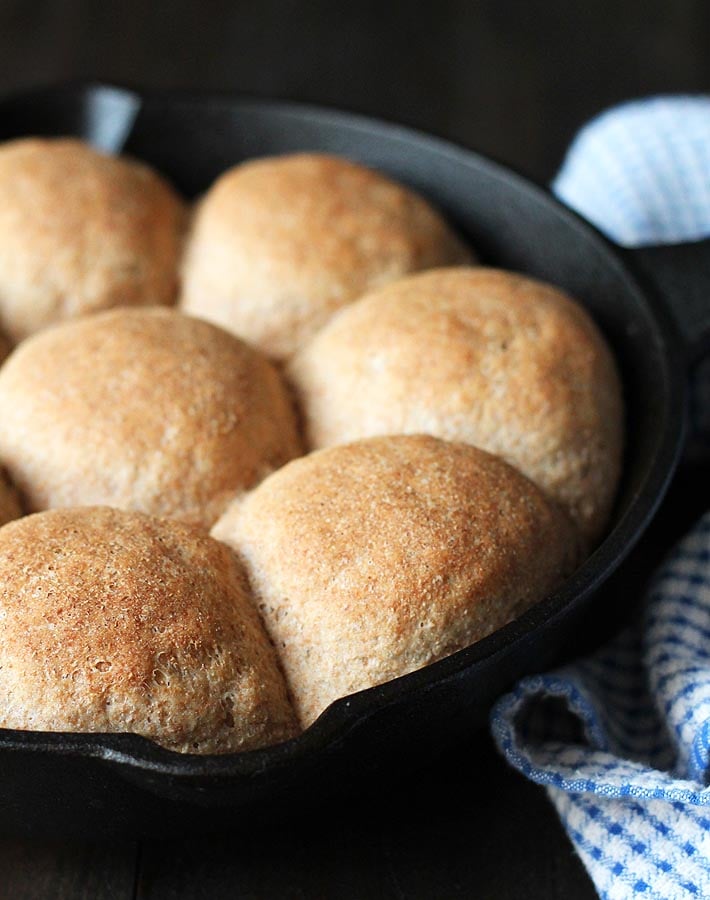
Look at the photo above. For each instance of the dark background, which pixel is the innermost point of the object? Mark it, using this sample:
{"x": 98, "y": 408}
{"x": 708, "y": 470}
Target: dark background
{"x": 513, "y": 79}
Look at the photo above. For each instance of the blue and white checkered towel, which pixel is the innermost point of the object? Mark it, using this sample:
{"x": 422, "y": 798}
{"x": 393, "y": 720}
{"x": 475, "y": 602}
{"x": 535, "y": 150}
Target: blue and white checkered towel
{"x": 622, "y": 739}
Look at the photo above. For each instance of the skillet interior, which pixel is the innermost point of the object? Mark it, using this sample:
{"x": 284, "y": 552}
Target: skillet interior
{"x": 121, "y": 783}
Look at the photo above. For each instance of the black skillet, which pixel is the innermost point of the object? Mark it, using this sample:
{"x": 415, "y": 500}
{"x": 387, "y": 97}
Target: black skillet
{"x": 653, "y": 308}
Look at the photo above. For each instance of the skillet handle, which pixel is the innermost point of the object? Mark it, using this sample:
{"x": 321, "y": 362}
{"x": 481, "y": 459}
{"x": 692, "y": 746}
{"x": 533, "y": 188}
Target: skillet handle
{"x": 680, "y": 275}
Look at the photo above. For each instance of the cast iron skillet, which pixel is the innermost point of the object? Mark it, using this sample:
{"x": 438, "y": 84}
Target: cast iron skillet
{"x": 92, "y": 785}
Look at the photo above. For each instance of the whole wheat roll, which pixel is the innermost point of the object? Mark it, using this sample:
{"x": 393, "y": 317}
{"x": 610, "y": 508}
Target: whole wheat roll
{"x": 373, "y": 559}
{"x": 143, "y": 409}
{"x": 496, "y": 359}
{"x": 120, "y": 622}
{"x": 81, "y": 231}
{"x": 279, "y": 244}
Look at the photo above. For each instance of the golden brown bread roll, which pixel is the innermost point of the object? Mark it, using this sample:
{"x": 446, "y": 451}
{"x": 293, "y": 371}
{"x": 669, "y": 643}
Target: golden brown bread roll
{"x": 142, "y": 409}
{"x": 373, "y": 559}
{"x": 279, "y": 244}
{"x": 80, "y": 232}
{"x": 116, "y": 621}
{"x": 495, "y": 359}
{"x": 9, "y": 502}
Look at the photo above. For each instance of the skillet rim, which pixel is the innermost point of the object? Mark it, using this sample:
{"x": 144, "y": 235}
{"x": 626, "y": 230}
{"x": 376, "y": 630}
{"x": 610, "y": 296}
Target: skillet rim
{"x": 333, "y": 726}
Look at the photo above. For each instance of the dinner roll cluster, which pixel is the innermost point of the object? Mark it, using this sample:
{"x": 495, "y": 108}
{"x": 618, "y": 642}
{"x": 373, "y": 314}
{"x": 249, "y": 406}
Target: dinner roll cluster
{"x": 349, "y": 451}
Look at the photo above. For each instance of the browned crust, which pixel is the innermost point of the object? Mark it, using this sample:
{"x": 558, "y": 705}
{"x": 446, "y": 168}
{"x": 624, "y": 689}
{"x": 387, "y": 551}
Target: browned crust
{"x": 81, "y": 231}
{"x": 280, "y": 244}
{"x": 142, "y": 409}
{"x": 115, "y": 621}
{"x": 376, "y": 558}
{"x": 492, "y": 358}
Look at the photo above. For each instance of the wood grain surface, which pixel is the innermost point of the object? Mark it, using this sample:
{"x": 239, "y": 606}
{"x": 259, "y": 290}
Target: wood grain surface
{"x": 40, "y": 871}
{"x": 514, "y": 79}
{"x": 467, "y": 827}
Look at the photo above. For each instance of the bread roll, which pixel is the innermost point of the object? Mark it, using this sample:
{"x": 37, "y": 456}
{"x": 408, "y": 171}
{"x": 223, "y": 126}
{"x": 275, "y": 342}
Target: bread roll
{"x": 279, "y": 244}
{"x": 80, "y": 232}
{"x": 116, "y": 621}
{"x": 494, "y": 359}
{"x": 143, "y": 409}
{"x": 373, "y": 559}
{"x": 9, "y": 501}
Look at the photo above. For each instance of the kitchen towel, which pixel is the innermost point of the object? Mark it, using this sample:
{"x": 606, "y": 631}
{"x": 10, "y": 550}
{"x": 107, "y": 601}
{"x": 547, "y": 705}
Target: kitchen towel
{"x": 640, "y": 172}
{"x": 621, "y": 740}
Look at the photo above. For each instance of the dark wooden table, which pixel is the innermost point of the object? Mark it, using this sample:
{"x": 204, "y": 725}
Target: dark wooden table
{"x": 514, "y": 79}
{"x": 466, "y": 827}
{"x": 423, "y": 845}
